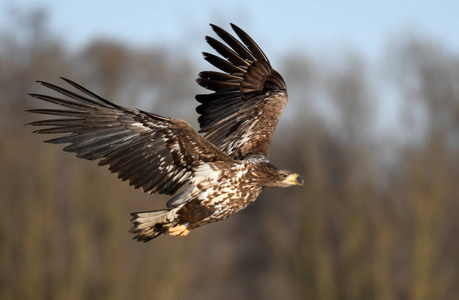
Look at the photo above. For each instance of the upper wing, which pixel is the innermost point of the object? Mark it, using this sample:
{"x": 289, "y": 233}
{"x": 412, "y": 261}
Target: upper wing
{"x": 241, "y": 116}
{"x": 153, "y": 152}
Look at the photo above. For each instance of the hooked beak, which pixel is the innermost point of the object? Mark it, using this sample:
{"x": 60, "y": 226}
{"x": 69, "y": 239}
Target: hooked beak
{"x": 294, "y": 179}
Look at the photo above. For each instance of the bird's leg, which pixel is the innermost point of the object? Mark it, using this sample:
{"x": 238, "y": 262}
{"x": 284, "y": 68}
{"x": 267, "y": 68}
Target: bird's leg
{"x": 179, "y": 230}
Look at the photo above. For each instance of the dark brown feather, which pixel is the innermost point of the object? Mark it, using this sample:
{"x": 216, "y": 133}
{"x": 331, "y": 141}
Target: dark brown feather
{"x": 241, "y": 115}
{"x": 222, "y": 64}
{"x": 148, "y": 150}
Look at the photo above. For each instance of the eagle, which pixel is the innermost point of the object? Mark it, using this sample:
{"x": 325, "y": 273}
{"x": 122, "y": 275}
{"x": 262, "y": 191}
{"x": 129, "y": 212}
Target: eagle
{"x": 212, "y": 173}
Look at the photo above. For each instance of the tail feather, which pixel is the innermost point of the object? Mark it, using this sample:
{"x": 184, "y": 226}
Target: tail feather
{"x": 150, "y": 224}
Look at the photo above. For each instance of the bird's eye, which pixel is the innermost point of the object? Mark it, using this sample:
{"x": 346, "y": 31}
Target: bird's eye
{"x": 284, "y": 175}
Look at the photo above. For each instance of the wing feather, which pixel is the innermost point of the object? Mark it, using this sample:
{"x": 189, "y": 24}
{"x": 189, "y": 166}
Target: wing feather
{"x": 226, "y": 52}
{"x": 222, "y": 64}
{"x": 240, "y": 49}
{"x": 241, "y": 115}
{"x": 155, "y": 153}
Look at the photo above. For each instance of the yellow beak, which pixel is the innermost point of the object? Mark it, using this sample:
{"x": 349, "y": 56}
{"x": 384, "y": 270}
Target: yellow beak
{"x": 294, "y": 179}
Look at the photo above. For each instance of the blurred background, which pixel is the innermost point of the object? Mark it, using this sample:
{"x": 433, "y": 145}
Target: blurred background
{"x": 372, "y": 124}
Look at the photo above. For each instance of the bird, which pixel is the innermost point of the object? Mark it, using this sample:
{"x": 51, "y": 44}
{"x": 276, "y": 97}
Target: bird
{"x": 211, "y": 173}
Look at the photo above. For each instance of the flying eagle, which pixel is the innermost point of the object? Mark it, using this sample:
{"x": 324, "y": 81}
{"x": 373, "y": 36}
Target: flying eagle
{"x": 223, "y": 171}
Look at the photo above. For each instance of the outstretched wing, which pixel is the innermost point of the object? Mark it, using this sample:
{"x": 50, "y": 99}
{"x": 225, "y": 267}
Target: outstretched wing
{"x": 150, "y": 151}
{"x": 241, "y": 115}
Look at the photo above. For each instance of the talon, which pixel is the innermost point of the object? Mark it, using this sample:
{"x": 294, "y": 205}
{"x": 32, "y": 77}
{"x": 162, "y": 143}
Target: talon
{"x": 179, "y": 230}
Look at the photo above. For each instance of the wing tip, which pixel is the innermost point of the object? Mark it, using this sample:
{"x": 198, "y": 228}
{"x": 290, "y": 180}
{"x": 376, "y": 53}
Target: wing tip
{"x": 71, "y": 82}
{"x": 234, "y": 27}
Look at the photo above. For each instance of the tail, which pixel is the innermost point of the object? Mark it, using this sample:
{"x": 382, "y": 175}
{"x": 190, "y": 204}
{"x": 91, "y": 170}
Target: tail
{"x": 151, "y": 224}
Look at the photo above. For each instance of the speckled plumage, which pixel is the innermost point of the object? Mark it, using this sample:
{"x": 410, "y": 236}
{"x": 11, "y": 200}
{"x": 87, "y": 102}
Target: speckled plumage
{"x": 221, "y": 172}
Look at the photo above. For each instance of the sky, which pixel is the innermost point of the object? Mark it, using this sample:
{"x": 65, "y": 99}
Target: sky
{"x": 276, "y": 25}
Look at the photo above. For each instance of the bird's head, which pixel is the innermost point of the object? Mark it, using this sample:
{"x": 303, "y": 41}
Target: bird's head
{"x": 287, "y": 178}
{"x": 268, "y": 175}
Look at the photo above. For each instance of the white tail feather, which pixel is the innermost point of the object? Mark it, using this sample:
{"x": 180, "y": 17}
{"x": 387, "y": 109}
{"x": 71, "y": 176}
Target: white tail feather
{"x": 151, "y": 224}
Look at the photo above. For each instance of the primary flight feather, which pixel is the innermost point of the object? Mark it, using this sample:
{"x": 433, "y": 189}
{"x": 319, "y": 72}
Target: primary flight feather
{"x": 223, "y": 170}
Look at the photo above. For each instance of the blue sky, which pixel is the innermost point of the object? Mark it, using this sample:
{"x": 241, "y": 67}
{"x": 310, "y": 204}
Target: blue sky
{"x": 313, "y": 25}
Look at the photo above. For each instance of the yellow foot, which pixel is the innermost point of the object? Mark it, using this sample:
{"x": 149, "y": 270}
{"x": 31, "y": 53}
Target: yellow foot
{"x": 179, "y": 230}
